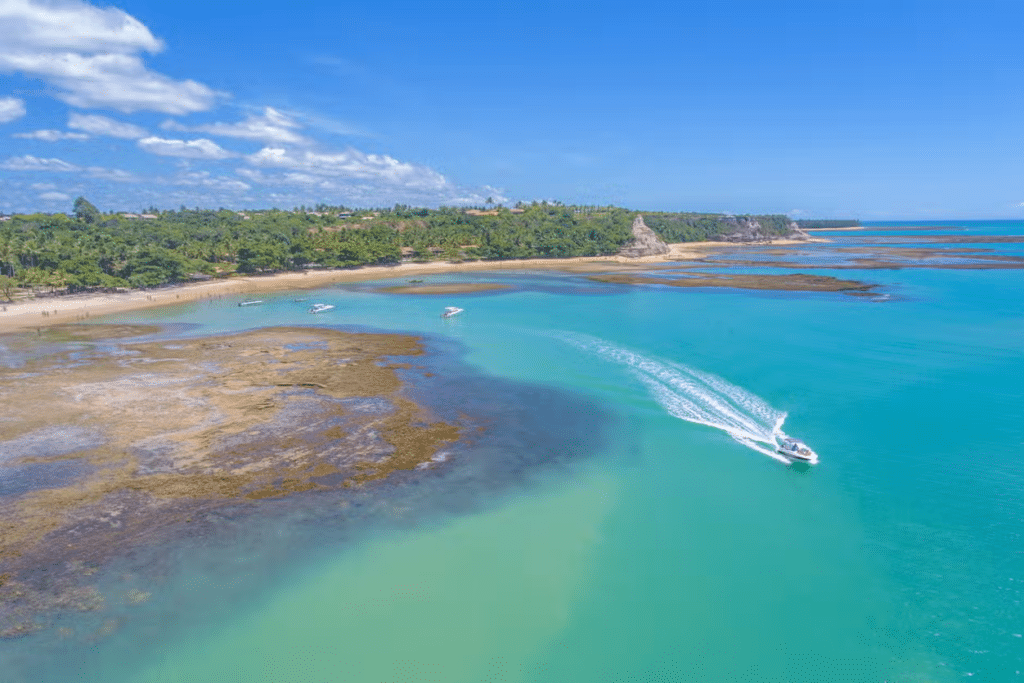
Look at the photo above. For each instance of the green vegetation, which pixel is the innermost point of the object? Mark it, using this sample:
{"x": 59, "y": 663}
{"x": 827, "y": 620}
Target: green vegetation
{"x": 818, "y": 224}
{"x": 92, "y": 250}
{"x": 701, "y": 227}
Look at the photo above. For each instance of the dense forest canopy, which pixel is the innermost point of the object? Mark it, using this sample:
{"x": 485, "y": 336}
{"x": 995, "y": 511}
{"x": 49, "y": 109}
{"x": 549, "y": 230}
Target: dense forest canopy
{"x": 702, "y": 227}
{"x": 91, "y": 249}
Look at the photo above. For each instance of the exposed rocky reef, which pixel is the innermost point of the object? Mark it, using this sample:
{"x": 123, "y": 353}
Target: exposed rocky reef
{"x": 111, "y": 446}
{"x": 792, "y": 282}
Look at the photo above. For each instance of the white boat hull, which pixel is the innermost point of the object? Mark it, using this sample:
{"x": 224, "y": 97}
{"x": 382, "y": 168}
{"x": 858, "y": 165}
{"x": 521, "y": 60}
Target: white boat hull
{"x": 805, "y": 457}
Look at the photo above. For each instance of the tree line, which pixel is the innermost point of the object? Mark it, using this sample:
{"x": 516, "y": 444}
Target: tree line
{"x": 91, "y": 249}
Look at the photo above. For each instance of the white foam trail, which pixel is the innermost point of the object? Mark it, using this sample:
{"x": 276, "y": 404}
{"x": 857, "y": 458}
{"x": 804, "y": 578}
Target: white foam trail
{"x": 698, "y": 397}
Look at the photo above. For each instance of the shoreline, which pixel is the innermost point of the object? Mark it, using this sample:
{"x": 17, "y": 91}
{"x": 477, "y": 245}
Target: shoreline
{"x": 69, "y": 308}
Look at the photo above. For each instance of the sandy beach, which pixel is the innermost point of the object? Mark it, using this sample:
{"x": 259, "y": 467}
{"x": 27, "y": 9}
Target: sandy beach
{"x": 54, "y": 310}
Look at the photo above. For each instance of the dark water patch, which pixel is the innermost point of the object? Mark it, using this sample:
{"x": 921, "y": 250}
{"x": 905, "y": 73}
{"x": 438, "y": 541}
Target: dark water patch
{"x": 21, "y": 350}
{"x": 19, "y": 479}
{"x": 520, "y": 281}
{"x": 50, "y": 442}
{"x": 307, "y": 346}
{"x": 78, "y": 344}
{"x": 560, "y": 284}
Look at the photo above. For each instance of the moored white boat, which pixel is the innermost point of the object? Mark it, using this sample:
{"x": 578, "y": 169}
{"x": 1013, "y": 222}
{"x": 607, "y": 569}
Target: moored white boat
{"x": 798, "y": 450}
{"x": 320, "y": 308}
{"x": 250, "y": 303}
{"x": 449, "y": 311}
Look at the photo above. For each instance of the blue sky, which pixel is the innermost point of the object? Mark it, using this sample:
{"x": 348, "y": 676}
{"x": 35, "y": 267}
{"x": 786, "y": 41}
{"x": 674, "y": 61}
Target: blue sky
{"x": 867, "y": 109}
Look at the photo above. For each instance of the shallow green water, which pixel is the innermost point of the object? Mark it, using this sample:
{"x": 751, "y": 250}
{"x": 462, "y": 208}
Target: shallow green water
{"x": 673, "y": 552}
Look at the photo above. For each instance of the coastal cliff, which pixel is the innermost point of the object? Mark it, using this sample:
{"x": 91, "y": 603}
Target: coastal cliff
{"x": 749, "y": 229}
{"x": 716, "y": 227}
{"x": 645, "y": 242}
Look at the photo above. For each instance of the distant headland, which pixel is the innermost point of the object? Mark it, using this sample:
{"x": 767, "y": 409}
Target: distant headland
{"x": 89, "y": 250}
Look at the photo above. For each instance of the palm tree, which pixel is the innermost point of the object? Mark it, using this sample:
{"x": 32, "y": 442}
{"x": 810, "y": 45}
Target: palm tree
{"x": 8, "y": 253}
{"x": 29, "y": 252}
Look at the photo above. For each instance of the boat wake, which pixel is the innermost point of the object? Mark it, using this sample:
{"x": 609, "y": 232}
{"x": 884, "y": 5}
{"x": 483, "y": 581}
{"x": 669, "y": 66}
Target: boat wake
{"x": 698, "y": 397}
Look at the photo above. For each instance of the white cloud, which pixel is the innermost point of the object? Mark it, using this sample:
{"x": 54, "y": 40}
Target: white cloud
{"x": 92, "y": 55}
{"x": 101, "y": 125}
{"x": 115, "y": 174}
{"x": 31, "y": 163}
{"x": 204, "y": 179}
{"x": 54, "y": 197}
{"x": 51, "y": 135}
{"x": 189, "y": 149}
{"x": 356, "y": 178}
{"x": 479, "y": 196}
{"x": 271, "y": 126}
{"x": 43, "y": 186}
{"x": 351, "y": 165}
{"x": 75, "y": 26}
{"x": 11, "y": 108}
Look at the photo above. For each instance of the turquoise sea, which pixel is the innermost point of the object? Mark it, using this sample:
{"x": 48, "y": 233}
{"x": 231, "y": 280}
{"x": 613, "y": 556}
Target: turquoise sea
{"x": 624, "y": 520}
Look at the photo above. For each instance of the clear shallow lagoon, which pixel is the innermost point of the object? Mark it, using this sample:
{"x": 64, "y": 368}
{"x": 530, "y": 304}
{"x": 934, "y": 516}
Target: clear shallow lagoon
{"x": 622, "y": 543}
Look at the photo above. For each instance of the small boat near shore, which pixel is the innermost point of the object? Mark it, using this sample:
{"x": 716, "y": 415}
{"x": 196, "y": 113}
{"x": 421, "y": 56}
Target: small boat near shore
{"x": 250, "y": 303}
{"x": 320, "y": 308}
{"x": 449, "y": 311}
{"x": 798, "y": 450}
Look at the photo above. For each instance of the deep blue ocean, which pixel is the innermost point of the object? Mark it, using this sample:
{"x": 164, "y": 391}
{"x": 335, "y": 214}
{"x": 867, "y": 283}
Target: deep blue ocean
{"x": 626, "y": 517}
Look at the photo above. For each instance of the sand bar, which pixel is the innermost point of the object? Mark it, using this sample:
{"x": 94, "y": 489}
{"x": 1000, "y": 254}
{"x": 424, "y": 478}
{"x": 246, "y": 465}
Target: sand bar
{"x": 454, "y": 288}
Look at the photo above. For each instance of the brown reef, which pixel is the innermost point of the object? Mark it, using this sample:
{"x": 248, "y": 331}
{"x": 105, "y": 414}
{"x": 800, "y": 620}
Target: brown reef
{"x": 176, "y": 428}
{"x": 793, "y": 282}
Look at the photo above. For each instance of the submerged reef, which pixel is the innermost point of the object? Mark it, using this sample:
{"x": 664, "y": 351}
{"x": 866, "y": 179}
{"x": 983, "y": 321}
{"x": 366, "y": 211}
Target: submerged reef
{"x": 110, "y": 444}
{"x": 451, "y": 288}
{"x": 793, "y": 282}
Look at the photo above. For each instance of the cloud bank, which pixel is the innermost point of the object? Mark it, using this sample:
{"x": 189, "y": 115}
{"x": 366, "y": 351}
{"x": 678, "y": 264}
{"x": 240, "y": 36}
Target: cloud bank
{"x": 50, "y": 135}
{"x": 187, "y": 149}
{"x": 101, "y": 125}
{"x": 272, "y": 126}
{"x": 92, "y": 55}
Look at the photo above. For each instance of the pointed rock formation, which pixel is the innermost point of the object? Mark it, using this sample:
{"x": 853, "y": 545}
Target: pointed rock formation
{"x": 644, "y": 243}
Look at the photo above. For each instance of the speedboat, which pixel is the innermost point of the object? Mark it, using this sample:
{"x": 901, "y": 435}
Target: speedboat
{"x": 798, "y": 450}
{"x": 320, "y": 308}
{"x": 449, "y": 311}
{"x": 250, "y": 303}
